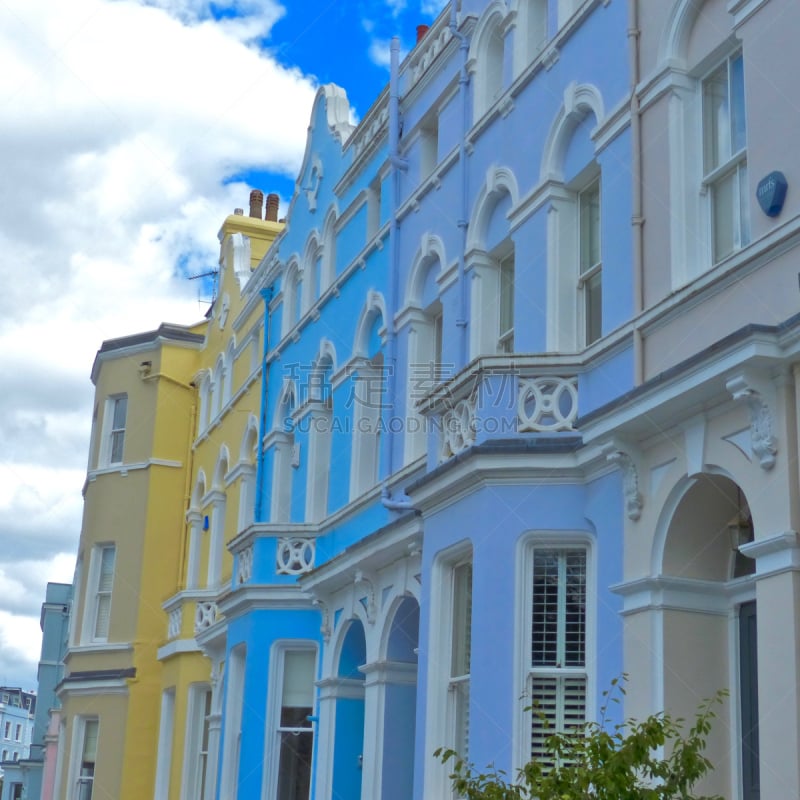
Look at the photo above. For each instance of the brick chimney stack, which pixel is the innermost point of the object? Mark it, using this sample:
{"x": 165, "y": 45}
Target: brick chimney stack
{"x": 421, "y": 31}
{"x": 272, "y": 207}
{"x": 256, "y": 203}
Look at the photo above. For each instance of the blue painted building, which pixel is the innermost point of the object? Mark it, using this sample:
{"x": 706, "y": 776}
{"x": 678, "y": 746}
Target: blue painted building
{"x": 529, "y": 407}
{"x": 432, "y": 539}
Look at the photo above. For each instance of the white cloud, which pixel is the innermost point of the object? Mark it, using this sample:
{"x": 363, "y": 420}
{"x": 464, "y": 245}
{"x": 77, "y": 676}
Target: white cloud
{"x": 121, "y": 124}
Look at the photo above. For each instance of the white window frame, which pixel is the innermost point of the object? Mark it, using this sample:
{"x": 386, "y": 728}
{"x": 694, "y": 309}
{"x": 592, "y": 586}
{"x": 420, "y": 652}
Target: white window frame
{"x": 441, "y": 719}
{"x": 561, "y": 541}
{"x": 94, "y": 594}
{"x": 17, "y": 732}
{"x": 195, "y": 758}
{"x": 272, "y": 753}
{"x": 365, "y": 464}
{"x": 507, "y": 296}
{"x": 110, "y": 432}
{"x": 234, "y": 710}
{"x": 732, "y": 164}
{"x": 166, "y": 731}
{"x": 76, "y": 779}
{"x": 590, "y": 269}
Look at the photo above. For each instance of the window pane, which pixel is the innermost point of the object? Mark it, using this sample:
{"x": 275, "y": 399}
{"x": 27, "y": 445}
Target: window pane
{"x": 106, "y": 576}
{"x": 506, "y": 338}
{"x": 738, "y": 125}
{"x": 294, "y": 772}
{"x": 298, "y": 679}
{"x": 462, "y": 620}
{"x": 593, "y": 307}
{"x": 716, "y": 119}
{"x": 559, "y": 609}
{"x": 103, "y": 616}
{"x": 723, "y": 203}
{"x": 120, "y": 412}
{"x": 575, "y": 609}
{"x": 590, "y": 227}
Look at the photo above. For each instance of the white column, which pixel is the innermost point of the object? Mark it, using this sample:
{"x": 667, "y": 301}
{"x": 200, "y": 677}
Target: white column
{"x": 778, "y": 603}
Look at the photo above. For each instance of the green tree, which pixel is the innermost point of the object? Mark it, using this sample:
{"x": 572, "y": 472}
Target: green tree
{"x": 625, "y": 761}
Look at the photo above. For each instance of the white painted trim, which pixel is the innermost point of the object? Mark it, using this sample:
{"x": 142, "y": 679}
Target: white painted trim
{"x": 166, "y": 734}
{"x": 775, "y": 554}
{"x": 124, "y": 469}
{"x": 99, "y": 647}
{"x": 90, "y": 687}
{"x": 177, "y": 647}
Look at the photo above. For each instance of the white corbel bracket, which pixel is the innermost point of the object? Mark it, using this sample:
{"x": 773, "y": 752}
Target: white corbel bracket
{"x": 759, "y": 396}
{"x": 620, "y": 455}
{"x": 360, "y": 579}
{"x": 325, "y": 625}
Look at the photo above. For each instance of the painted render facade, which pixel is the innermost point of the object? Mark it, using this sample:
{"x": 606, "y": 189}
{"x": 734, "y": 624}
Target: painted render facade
{"x": 524, "y": 418}
{"x": 529, "y": 418}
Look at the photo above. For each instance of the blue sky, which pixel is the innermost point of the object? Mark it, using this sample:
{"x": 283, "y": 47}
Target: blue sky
{"x": 130, "y": 130}
{"x": 344, "y": 43}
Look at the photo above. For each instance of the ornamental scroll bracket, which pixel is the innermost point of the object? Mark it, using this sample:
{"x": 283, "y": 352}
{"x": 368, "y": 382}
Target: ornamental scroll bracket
{"x": 325, "y": 624}
{"x": 619, "y": 454}
{"x": 360, "y": 579}
{"x": 759, "y": 397}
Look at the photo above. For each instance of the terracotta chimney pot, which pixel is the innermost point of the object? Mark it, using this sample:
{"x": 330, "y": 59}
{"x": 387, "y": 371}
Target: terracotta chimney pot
{"x": 421, "y": 31}
{"x": 272, "y": 207}
{"x": 256, "y": 203}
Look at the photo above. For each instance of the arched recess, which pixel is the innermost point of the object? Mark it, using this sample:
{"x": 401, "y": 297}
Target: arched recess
{"x": 425, "y": 338}
{"x": 194, "y": 518}
{"x": 368, "y": 387}
{"x": 491, "y": 261}
{"x": 486, "y": 57}
{"x": 674, "y": 43}
{"x": 292, "y": 296}
{"x": 227, "y": 381}
{"x": 283, "y": 448}
{"x": 530, "y": 31}
{"x": 247, "y": 471}
{"x": 347, "y": 693}
{"x": 707, "y": 621}
{"x": 312, "y": 268}
{"x": 398, "y": 669}
{"x": 328, "y": 249}
{"x": 320, "y": 429}
{"x": 216, "y": 543}
{"x": 574, "y": 248}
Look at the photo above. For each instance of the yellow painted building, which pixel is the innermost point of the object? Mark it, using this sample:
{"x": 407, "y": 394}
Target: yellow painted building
{"x": 171, "y": 480}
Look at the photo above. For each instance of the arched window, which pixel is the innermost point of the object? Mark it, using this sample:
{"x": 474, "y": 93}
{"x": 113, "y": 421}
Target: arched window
{"x": 312, "y": 267}
{"x": 530, "y": 32}
{"x": 491, "y": 261}
{"x": 425, "y": 339}
{"x": 247, "y": 470}
{"x": 292, "y": 298}
{"x": 487, "y": 58}
{"x": 368, "y": 386}
{"x": 194, "y": 518}
{"x": 218, "y": 497}
{"x": 574, "y": 223}
{"x": 709, "y": 188}
{"x": 320, "y": 419}
{"x": 283, "y": 455}
{"x": 227, "y": 378}
{"x": 328, "y": 252}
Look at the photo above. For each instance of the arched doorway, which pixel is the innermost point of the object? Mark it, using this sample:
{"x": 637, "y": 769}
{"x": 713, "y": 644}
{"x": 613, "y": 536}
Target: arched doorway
{"x": 709, "y": 621}
{"x": 349, "y": 714}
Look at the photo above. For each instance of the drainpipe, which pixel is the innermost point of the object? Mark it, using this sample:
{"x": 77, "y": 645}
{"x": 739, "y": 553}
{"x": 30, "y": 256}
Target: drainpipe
{"x": 463, "y": 216}
{"x": 637, "y": 219}
{"x": 266, "y": 294}
{"x": 397, "y": 165}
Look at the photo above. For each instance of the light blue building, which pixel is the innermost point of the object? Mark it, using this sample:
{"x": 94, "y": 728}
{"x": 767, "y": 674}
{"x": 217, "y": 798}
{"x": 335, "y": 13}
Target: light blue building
{"x": 441, "y": 299}
{"x": 25, "y": 717}
{"x": 529, "y": 380}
